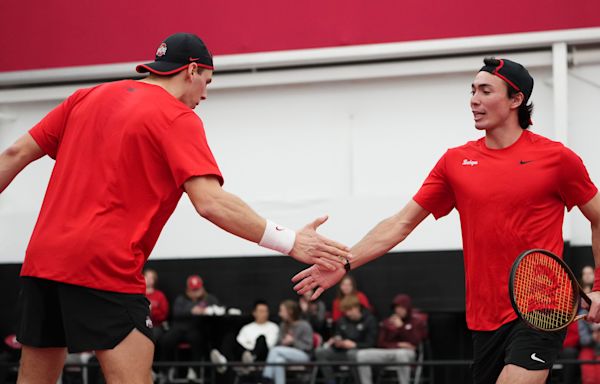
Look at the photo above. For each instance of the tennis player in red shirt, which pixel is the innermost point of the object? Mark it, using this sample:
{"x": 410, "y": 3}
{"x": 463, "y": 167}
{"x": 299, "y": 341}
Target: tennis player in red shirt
{"x": 125, "y": 152}
{"x": 511, "y": 188}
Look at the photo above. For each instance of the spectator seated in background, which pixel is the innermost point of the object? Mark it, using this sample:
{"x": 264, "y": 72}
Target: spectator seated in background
{"x": 313, "y": 311}
{"x": 355, "y": 330}
{"x": 589, "y": 346}
{"x": 184, "y": 328}
{"x": 252, "y": 342}
{"x": 587, "y": 276}
{"x": 570, "y": 351}
{"x": 590, "y": 373}
{"x": 294, "y": 344}
{"x": 578, "y": 341}
{"x": 159, "y": 309}
{"x": 399, "y": 336}
{"x": 348, "y": 287}
{"x": 159, "y": 305}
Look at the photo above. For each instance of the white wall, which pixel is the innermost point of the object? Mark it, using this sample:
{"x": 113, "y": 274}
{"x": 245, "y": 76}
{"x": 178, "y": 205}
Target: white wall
{"x": 354, "y": 149}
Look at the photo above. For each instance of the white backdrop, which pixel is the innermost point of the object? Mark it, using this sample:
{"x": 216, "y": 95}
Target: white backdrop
{"x": 354, "y": 149}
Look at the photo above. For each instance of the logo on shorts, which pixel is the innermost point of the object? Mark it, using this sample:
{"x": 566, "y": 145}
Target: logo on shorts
{"x": 162, "y": 50}
{"x": 148, "y": 322}
{"x": 470, "y": 162}
{"x": 535, "y": 358}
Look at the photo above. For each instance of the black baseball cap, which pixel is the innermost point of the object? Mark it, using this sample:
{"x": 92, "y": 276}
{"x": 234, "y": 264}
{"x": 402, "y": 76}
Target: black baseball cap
{"x": 176, "y": 52}
{"x": 514, "y": 74}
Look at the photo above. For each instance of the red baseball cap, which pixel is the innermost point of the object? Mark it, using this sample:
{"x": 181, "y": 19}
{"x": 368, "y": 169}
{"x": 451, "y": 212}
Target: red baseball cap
{"x": 195, "y": 282}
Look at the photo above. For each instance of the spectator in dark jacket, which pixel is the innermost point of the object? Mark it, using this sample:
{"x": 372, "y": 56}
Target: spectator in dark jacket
{"x": 355, "y": 330}
{"x": 399, "y": 336}
{"x": 186, "y": 309}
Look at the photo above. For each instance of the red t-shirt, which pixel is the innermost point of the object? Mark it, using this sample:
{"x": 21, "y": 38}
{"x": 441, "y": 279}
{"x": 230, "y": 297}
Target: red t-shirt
{"x": 123, "y": 151}
{"x": 159, "y": 307}
{"x": 509, "y": 200}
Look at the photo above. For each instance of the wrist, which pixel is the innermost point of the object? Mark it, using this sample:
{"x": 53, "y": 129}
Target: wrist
{"x": 347, "y": 266}
{"x": 278, "y": 238}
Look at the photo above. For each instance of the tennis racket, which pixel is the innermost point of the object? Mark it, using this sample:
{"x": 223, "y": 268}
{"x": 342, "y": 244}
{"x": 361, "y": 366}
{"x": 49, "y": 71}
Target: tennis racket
{"x": 544, "y": 292}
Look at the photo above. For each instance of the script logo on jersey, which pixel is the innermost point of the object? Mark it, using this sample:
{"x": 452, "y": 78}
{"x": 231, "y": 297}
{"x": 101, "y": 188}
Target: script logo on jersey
{"x": 162, "y": 50}
{"x": 470, "y": 162}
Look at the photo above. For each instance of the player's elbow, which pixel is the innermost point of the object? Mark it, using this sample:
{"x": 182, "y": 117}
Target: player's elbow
{"x": 205, "y": 195}
{"x": 22, "y": 152}
{"x": 207, "y": 208}
{"x": 15, "y": 151}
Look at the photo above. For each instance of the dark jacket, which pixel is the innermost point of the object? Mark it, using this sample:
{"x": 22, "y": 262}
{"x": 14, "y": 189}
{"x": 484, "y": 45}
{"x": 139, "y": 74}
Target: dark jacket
{"x": 182, "y": 307}
{"x": 363, "y": 332}
{"x": 413, "y": 329}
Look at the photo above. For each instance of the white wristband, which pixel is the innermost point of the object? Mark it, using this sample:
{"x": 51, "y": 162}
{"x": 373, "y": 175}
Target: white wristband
{"x": 278, "y": 238}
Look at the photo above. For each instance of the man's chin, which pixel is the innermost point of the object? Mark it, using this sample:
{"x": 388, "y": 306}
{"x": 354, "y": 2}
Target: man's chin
{"x": 480, "y": 127}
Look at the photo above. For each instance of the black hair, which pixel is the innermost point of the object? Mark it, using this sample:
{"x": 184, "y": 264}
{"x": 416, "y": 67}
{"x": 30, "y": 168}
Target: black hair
{"x": 525, "y": 110}
{"x": 259, "y": 302}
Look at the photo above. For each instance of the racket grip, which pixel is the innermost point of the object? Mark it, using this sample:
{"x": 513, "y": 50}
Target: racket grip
{"x": 579, "y": 317}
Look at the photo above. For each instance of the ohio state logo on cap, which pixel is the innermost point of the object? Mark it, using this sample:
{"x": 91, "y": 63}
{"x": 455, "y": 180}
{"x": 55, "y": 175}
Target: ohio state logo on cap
{"x": 162, "y": 50}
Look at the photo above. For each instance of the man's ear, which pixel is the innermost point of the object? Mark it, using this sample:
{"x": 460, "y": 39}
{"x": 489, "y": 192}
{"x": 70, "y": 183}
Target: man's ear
{"x": 517, "y": 99}
{"x": 191, "y": 69}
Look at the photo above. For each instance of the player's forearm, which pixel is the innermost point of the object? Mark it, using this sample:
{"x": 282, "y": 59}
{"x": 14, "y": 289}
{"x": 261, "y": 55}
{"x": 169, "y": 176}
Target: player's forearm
{"x": 387, "y": 234}
{"x": 596, "y": 242}
{"x": 233, "y": 215}
{"x": 591, "y": 210}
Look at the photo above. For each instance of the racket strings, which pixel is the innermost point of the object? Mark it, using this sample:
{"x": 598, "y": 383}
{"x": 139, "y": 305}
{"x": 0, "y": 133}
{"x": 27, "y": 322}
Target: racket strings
{"x": 543, "y": 292}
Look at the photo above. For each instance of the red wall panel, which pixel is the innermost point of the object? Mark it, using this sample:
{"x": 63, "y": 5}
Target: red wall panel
{"x": 59, "y": 33}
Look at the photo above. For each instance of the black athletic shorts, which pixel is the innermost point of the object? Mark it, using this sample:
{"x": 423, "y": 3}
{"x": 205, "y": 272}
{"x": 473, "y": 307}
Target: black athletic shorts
{"x": 513, "y": 343}
{"x": 53, "y": 314}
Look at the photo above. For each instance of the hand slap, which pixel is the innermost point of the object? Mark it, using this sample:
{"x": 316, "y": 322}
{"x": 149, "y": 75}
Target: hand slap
{"x": 316, "y": 278}
{"x": 312, "y": 248}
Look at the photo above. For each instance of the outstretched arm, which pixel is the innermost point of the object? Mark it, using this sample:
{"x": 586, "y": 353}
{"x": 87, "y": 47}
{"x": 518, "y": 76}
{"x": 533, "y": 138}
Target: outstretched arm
{"x": 591, "y": 210}
{"x": 230, "y": 213}
{"x": 386, "y": 235}
{"x": 16, "y": 157}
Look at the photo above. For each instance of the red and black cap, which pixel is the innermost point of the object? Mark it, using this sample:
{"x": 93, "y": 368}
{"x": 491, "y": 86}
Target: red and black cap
{"x": 514, "y": 74}
{"x": 176, "y": 53}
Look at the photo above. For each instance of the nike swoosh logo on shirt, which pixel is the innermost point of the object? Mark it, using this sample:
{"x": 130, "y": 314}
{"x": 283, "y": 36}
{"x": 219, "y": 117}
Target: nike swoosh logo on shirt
{"x": 525, "y": 161}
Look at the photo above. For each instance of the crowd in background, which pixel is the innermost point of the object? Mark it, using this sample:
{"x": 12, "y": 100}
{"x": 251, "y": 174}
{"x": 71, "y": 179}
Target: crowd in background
{"x": 582, "y": 342}
{"x": 196, "y": 327}
{"x": 345, "y": 330}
